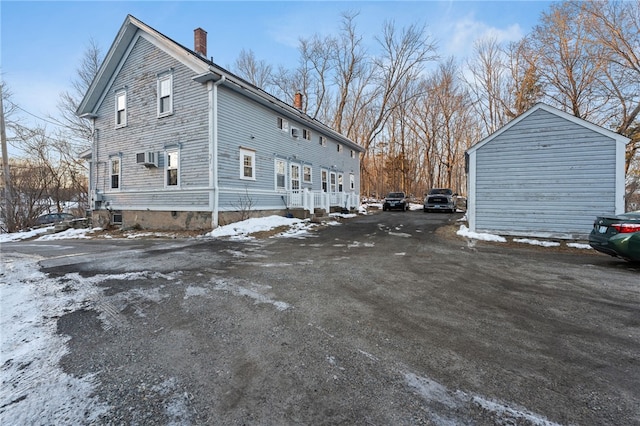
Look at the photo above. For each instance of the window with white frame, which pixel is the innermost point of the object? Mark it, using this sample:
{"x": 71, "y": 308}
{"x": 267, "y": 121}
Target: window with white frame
{"x": 352, "y": 181}
{"x": 247, "y": 164}
{"x": 324, "y": 177}
{"x": 295, "y": 177}
{"x": 172, "y": 168}
{"x": 306, "y": 134}
{"x": 114, "y": 172}
{"x": 281, "y": 175}
{"x": 339, "y": 147}
{"x": 353, "y": 154}
{"x": 340, "y": 183}
{"x": 323, "y": 141}
{"x": 306, "y": 173}
{"x": 121, "y": 108}
{"x": 283, "y": 124}
{"x": 332, "y": 178}
{"x": 165, "y": 95}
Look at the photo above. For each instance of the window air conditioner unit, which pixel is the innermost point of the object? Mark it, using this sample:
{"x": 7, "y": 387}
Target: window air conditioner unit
{"x": 295, "y": 132}
{"x": 148, "y": 159}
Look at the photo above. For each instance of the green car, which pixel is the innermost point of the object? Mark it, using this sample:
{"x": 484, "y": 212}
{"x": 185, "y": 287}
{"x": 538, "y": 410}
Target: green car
{"x": 617, "y": 236}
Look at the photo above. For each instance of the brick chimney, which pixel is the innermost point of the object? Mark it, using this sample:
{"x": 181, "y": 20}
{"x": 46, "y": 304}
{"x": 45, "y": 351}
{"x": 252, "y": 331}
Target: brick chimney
{"x": 200, "y": 41}
{"x": 297, "y": 100}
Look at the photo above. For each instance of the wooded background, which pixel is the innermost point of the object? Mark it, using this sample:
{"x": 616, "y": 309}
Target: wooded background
{"x": 414, "y": 112}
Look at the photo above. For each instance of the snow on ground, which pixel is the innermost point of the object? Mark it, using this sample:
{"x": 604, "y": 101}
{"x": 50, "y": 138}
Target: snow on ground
{"x": 34, "y": 388}
{"x": 465, "y": 232}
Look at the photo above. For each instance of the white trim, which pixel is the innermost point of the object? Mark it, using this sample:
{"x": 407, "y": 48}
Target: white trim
{"x": 165, "y": 176}
{"x": 310, "y": 173}
{"x": 275, "y": 174}
{"x": 161, "y": 78}
{"x": 619, "y": 207}
{"x": 118, "y": 94}
{"x": 471, "y": 195}
{"x": 110, "y": 187}
{"x": 245, "y": 152}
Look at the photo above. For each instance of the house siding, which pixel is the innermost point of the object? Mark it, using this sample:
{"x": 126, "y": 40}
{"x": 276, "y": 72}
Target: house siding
{"x": 186, "y": 128}
{"x": 544, "y": 175}
{"x": 245, "y": 124}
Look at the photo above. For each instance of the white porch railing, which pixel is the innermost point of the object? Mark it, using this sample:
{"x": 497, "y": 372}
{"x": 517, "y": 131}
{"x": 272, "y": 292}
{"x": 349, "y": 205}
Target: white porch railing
{"x": 311, "y": 200}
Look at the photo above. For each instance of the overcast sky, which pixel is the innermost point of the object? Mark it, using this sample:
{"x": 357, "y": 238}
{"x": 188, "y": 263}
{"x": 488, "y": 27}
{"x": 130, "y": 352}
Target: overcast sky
{"x": 42, "y": 43}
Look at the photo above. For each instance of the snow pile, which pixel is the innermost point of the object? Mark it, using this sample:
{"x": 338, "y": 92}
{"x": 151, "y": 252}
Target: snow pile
{"x": 243, "y": 229}
{"x": 536, "y": 242}
{"x": 465, "y": 232}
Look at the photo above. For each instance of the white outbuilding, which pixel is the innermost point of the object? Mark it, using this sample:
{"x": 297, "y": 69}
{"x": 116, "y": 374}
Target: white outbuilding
{"x": 545, "y": 174}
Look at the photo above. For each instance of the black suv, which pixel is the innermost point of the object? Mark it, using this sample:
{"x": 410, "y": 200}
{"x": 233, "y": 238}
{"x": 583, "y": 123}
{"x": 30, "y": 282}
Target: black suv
{"x": 396, "y": 200}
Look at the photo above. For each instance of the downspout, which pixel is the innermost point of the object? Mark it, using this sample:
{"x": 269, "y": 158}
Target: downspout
{"x": 212, "y": 88}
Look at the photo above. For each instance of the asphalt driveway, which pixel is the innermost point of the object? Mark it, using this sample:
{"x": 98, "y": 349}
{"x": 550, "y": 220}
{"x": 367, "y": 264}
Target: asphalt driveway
{"x": 386, "y": 319}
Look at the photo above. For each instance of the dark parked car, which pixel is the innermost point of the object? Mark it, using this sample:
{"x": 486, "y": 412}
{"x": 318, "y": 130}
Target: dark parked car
{"x": 440, "y": 199}
{"x": 617, "y": 235}
{"x": 396, "y": 200}
{"x": 48, "y": 218}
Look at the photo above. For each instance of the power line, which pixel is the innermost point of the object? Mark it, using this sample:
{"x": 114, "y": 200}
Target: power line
{"x": 36, "y": 116}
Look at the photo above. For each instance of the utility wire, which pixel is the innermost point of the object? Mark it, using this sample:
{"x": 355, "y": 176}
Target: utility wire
{"x": 55, "y": 123}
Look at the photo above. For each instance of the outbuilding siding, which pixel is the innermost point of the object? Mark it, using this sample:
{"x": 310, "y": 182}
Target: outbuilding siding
{"x": 545, "y": 175}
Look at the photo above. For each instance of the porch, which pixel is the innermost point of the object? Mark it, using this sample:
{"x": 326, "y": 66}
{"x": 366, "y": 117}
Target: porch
{"x": 311, "y": 200}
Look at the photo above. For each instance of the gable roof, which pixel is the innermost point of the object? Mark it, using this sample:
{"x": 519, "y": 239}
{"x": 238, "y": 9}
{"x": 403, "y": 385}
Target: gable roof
{"x": 205, "y": 70}
{"x": 541, "y": 106}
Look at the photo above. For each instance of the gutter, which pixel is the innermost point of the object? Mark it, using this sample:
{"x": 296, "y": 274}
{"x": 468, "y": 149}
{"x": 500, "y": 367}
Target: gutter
{"x": 212, "y": 88}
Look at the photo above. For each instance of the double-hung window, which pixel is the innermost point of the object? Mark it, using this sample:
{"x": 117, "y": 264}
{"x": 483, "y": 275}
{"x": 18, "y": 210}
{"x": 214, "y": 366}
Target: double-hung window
{"x": 352, "y": 181}
{"x": 121, "y": 108}
{"x": 324, "y": 177}
{"x": 165, "y": 95}
{"x": 114, "y": 172}
{"x": 283, "y": 124}
{"x": 247, "y": 164}
{"x": 281, "y": 170}
{"x": 172, "y": 168}
{"x": 340, "y": 183}
{"x": 306, "y": 173}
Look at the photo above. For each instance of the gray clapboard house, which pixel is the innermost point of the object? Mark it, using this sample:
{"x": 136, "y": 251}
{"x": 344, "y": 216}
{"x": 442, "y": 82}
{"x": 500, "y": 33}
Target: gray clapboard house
{"x": 545, "y": 174}
{"x": 181, "y": 143}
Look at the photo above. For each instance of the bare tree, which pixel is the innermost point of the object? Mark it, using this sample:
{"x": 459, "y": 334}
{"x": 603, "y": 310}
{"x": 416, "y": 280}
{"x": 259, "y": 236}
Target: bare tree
{"x": 615, "y": 25}
{"x": 78, "y": 130}
{"x": 569, "y": 64}
{"x": 257, "y": 72}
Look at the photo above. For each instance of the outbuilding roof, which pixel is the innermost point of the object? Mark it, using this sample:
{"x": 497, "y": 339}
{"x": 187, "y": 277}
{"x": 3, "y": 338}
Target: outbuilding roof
{"x": 542, "y": 106}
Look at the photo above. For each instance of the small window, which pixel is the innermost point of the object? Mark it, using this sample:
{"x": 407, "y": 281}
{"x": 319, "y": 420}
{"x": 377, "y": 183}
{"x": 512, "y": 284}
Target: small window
{"x": 352, "y": 181}
{"x": 353, "y": 154}
{"x": 121, "y": 109}
{"x": 339, "y": 147}
{"x": 281, "y": 177}
{"x": 283, "y": 124}
{"x": 306, "y": 174}
{"x": 172, "y": 168}
{"x": 306, "y": 134}
{"x": 323, "y": 141}
{"x": 165, "y": 95}
{"x": 247, "y": 164}
{"x": 115, "y": 172}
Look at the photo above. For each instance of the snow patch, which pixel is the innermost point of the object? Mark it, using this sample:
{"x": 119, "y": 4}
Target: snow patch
{"x": 465, "y": 232}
